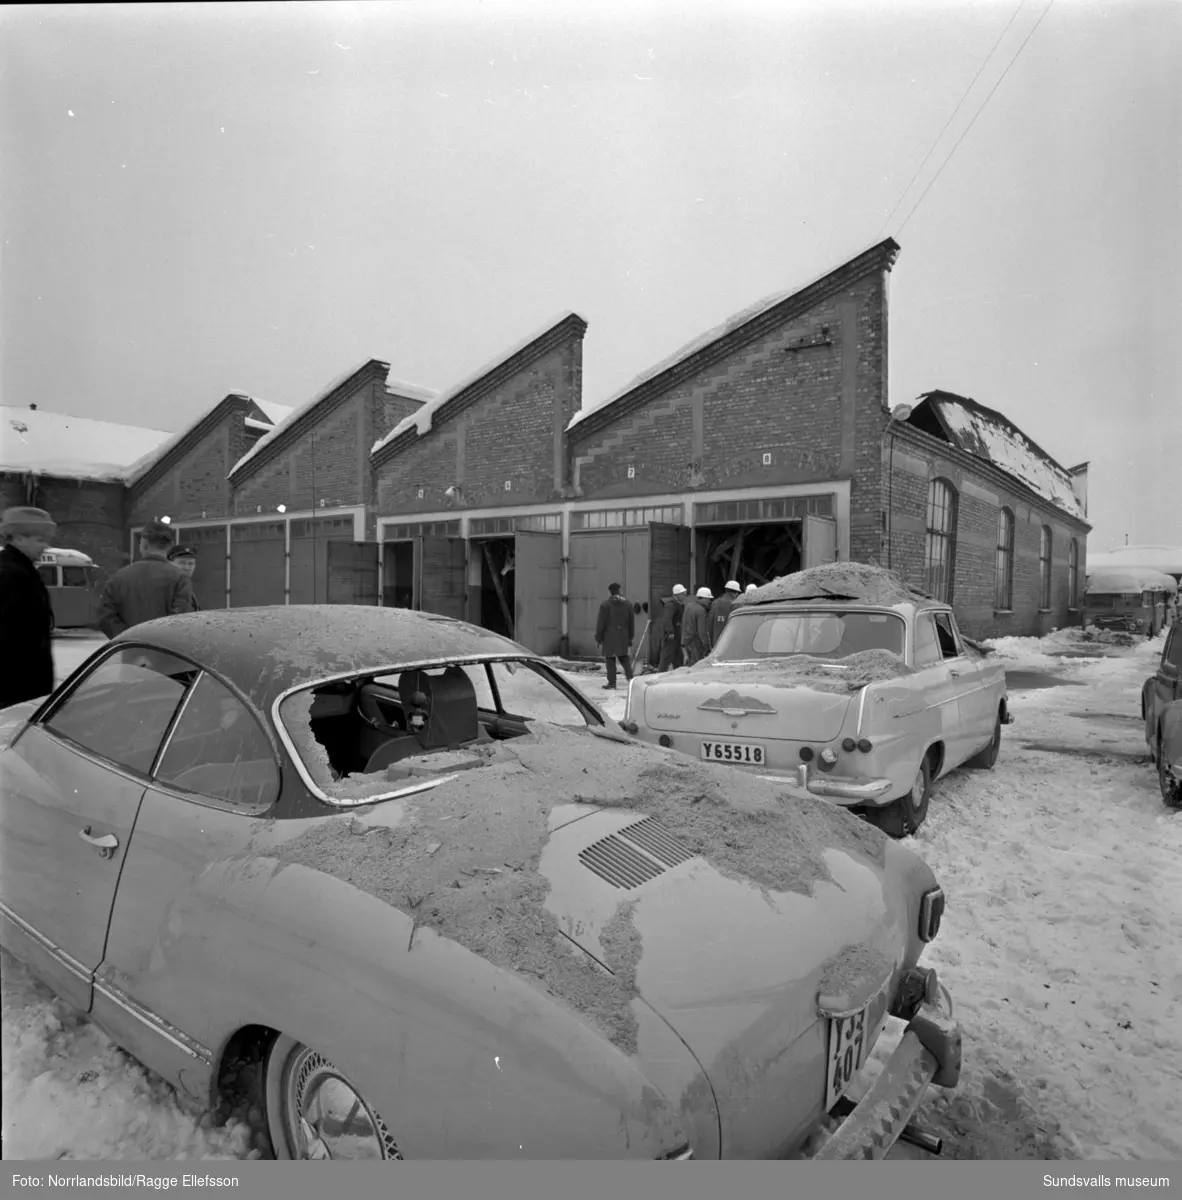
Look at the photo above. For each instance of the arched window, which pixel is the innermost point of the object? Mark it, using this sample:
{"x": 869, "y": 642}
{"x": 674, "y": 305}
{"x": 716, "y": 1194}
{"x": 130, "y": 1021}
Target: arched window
{"x": 1073, "y": 574}
{"x": 1044, "y": 569}
{"x": 1003, "y": 587}
{"x": 941, "y": 539}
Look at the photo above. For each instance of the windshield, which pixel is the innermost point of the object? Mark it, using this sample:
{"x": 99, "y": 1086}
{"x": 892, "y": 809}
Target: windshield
{"x": 818, "y": 634}
{"x": 366, "y": 737}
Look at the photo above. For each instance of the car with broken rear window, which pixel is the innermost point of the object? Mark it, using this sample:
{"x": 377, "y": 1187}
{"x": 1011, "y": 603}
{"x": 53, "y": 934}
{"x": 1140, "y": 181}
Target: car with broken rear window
{"x": 391, "y": 881}
{"x": 842, "y": 680}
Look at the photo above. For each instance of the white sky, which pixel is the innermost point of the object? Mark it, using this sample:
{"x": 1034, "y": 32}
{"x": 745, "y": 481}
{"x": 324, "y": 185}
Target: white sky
{"x": 198, "y": 199}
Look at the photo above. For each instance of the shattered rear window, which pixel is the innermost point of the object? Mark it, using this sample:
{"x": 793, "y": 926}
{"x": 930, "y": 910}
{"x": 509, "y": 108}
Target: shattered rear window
{"x": 753, "y": 635}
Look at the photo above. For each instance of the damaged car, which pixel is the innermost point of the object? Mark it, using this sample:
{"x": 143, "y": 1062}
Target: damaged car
{"x": 394, "y": 880}
{"x": 842, "y": 680}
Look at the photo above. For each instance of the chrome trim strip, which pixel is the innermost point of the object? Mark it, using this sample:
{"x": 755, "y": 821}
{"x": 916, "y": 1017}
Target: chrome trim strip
{"x": 166, "y": 741}
{"x": 68, "y": 961}
{"x": 170, "y": 1033}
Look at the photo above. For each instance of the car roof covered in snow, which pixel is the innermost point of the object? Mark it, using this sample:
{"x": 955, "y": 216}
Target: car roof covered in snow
{"x": 1115, "y": 580}
{"x": 266, "y": 651}
{"x": 860, "y": 583}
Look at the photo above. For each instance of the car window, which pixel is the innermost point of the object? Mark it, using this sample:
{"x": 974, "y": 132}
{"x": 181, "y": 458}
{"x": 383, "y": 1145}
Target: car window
{"x": 74, "y": 577}
{"x": 949, "y": 642}
{"x": 927, "y": 642}
{"x": 48, "y": 576}
{"x": 526, "y": 693}
{"x": 475, "y": 672}
{"x": 821, "y": 634}
{"x": 1173, "y": 649}
{"x": 121, "y": 709}
{"x": 218, "y": 750}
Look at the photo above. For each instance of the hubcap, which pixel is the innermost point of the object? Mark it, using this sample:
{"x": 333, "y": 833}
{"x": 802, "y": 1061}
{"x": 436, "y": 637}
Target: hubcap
{"x": 326, "y": 1118}
{"x": 917, "y": 787}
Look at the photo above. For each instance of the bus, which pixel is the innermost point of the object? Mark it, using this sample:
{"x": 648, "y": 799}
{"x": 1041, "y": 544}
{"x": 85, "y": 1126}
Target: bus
{"x": 71, "y": 578}
{"x": 1130, "y": 598}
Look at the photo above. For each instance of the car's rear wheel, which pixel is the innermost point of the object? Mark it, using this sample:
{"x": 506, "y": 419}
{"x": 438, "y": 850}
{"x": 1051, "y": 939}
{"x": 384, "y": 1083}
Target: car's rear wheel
{"x": 985, "y": 759}
{"x": 314, "y": 1111}
{"x": 904, "y": 816}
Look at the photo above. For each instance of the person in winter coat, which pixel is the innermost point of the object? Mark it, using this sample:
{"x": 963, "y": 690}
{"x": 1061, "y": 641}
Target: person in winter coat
{"x": 695, "y": 630}
{"x": 26, "y": 614}
{"x": 671, "y": 615}
{"x": 720, "y": 612}
{"x": 614, "y": 630}
{"x": 185, "y": 557}
{"x": 149, "y": 588}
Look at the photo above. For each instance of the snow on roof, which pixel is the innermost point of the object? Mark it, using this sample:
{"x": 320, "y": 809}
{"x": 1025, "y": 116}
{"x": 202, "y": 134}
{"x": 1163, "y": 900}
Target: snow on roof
{"x": 421, "y": 420}
{"x": 412, "y": 391}
{"x": 989, "y": 435}
{"x": 75, "y": 447}
{"x": 1127, "y": 579}
{"x": 254, "y": 423}
{"x": 292, "y": 415}
{"x": 273, "y": 412}
{"x": 713, "y": 335}
{"x": 144, "y": 464}
{"x": 1167, "y": 559}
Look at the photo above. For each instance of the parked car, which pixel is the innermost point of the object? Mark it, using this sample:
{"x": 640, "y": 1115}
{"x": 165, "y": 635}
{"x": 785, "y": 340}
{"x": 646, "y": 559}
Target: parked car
{"x": 842, "y": 679}
{"x": 1127, "y": 598}
{"x": 421, "y": 898}
{"x": 1161, "y": 710}
{"x": 71, "y": 578}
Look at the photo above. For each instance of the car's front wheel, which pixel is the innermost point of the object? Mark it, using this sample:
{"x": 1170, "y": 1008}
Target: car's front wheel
{"x": 985, "y": 760}
{"x": 314, "y": 1111}
{"x": 904, "y": 816}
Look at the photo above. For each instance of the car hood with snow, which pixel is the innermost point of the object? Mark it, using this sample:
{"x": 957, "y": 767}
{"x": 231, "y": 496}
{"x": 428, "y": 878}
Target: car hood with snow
{"x": 616, "y": 883}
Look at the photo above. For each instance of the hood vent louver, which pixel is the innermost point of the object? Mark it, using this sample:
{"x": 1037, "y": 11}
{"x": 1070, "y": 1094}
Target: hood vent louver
{"x": 635, "y": 855}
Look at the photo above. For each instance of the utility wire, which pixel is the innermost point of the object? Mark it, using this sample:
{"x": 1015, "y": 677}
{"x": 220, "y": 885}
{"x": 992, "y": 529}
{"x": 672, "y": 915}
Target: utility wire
{"x": 959, "y": 106}
{"x": 978, "y": 113}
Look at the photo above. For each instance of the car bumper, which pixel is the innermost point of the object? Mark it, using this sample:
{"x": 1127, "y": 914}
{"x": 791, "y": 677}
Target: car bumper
{"x": 929, "y": 1052}
{"x": 846, "y": 792}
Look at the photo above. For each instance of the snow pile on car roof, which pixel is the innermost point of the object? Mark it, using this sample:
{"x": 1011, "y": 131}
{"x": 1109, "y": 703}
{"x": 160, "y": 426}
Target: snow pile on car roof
{"x": 836, "y": 581}
{"x": 464, "y": 859}
{"x": 839, "y": 676}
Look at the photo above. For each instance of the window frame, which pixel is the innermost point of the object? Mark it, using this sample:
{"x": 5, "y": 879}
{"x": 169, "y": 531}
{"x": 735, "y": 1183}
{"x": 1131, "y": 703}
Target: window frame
{"x": 1073, "y": 574}
{"x": 940, "y": 536}
{"x": 920, "y": 618}
{"x": 1003, "y": 580}
{"x": 1046, "y": 550}
{"x": 952, "y": 631}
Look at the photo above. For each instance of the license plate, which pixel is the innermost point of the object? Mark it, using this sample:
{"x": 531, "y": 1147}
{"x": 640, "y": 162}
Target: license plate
{"x": 850, "y": 1039}
{"x": 734, "y": 752}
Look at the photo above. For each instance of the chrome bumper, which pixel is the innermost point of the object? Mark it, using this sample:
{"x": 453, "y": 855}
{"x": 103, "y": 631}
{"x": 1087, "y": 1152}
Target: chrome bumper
{"x": 929, "y": 1052}
{"x": 846, "y": 792}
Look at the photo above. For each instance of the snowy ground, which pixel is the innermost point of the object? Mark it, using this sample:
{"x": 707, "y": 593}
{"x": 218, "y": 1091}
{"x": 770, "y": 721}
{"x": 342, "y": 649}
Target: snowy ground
{"x": 1064, "y": 880}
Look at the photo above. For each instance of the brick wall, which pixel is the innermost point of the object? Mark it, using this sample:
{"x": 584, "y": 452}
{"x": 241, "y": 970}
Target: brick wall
{"x": 807, "y": 392}
{"x": 90, "y": 515}
{"x": 981, "y": 492}
{"x": 513, "y": 434}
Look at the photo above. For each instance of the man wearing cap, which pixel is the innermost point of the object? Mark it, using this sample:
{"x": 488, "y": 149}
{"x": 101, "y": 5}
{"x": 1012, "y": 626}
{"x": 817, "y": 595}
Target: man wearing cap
{"x": 185, "y": 557}
{"x": 671, "y": 615}
{"x": 148, "y": 588}
{"x": 614, "y": 630}
{"x": 695, "y": 628}
{"x": 26, "y": 614}
{"x": 720, "y": 611}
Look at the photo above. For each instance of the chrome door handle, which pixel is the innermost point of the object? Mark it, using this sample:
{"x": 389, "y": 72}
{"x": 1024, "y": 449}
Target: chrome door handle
{"x": 105, "y": 845}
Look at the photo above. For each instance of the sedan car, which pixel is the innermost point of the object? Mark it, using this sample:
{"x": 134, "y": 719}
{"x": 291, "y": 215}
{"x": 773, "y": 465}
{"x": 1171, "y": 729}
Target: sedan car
{"x": 1161, "y": 710}
{"x": 411, "y": 893}
{"x": 840, "y": 678}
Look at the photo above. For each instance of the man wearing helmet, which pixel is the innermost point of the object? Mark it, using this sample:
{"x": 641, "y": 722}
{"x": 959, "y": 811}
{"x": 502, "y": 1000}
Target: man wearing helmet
{"x": 695, "y": 630}
{"x": 671, "y": 616}
{"x": 720, "y": 611}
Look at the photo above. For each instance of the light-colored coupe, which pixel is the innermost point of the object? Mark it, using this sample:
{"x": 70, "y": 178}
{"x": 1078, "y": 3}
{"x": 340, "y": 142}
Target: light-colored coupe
{"x": 843, "y": 679}
{"x": 394, "y": 880}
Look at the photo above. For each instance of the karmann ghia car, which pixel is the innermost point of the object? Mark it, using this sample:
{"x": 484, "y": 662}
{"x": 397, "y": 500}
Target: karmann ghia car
{"x": 427, "y": 901}
{"x": 843, "y": 679}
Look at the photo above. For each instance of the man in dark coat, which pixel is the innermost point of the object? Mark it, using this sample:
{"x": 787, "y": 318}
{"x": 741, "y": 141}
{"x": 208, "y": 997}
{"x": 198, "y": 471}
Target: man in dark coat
{"x": 146, "y": 589}
{"x": 26, "y": 614}
{"x": 695, "y": 636}
{"x": 614, "y": 630}
{"x": 185, "y": 557}
{"x": 671, "y": 614}
{"x": 720, "y": 612}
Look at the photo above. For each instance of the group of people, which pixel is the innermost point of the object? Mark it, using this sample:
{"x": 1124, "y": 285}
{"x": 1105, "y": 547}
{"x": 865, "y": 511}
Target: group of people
{"x": 688, "y": 629}
{"x": 158, "y": 584}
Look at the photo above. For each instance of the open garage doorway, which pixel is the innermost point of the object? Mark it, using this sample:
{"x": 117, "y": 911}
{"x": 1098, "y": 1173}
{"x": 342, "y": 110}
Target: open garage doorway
{"x": 493, "y": 602}
{"x": 398, "y": 574}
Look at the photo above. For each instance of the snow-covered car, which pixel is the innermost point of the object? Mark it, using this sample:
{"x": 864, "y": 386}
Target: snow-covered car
{"x": 1161, "y": 710}
{"x": 420, "y": 898}
{"x": 843, "y": 679}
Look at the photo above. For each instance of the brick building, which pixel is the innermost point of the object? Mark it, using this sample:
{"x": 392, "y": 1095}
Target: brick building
{"x": 763, "y": 446}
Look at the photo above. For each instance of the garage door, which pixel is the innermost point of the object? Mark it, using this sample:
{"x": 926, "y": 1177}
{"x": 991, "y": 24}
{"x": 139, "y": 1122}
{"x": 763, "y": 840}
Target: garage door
{"x": 257, "y": 563}
{"x": 598, "y": 559}
{"x": 309, "y": 556}
{"x": 439, "y": 576}
{"x": 352, "y": 572}
{"x": 537, "y": 621}
{"x": 209, "y": 579}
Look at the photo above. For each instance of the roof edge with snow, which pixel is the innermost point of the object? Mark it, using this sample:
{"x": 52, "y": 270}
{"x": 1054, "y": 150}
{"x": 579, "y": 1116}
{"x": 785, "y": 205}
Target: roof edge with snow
{"x": 154, "y": 464}
{"x": 739, "y": 330}
{"x": 303, "y": 418}
{"x": 477, "y": 385}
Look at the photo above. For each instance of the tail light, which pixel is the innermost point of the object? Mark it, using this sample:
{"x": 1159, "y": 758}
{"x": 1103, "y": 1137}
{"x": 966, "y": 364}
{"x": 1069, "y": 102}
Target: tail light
{"x": 931, "y": 910}
{"x": 849, "y": 745}
{"x": 865, "y": 746}
{"x": 629, "y": 726}
{"x": 665, "y": 740}
{"x": 806, "y": 754}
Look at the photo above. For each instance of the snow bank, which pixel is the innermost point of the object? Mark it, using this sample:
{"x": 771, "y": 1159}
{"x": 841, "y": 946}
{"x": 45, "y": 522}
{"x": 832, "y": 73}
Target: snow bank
{"x": 421, "y": 421}
{"x": 990, "y": 436}
{"x": 736, "y": 321}
{"x": 74, "y": 447}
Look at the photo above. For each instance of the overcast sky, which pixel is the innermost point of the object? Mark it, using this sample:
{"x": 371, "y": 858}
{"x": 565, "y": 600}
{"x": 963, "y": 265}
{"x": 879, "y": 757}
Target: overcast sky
{"x": 258, "y": 197}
